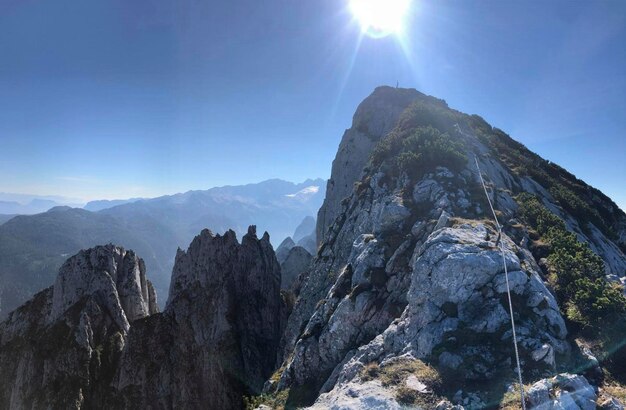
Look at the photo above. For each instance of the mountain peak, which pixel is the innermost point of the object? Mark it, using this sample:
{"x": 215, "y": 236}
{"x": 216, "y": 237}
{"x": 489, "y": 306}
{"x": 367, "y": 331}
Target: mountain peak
{"x": 408, "y": 301}
{"x": 60, "y": 208}
{"x": 403, "y": 198}
{"x": 117, "y": 276}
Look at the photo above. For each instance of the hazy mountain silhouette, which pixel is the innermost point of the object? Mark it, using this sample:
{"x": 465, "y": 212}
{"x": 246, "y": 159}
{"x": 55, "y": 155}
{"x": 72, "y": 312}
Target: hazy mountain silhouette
{"x": 32, "y": 247}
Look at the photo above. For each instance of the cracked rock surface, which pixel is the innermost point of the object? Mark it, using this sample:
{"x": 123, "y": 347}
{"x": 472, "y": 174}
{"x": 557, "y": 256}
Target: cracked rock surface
{"x": 59, "y": 349}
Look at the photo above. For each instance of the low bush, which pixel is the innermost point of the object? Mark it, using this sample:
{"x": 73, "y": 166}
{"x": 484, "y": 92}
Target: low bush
{"x": 419, "y": 152}
{"x": 276, "y": 401}
{"x": 577, "y": 273}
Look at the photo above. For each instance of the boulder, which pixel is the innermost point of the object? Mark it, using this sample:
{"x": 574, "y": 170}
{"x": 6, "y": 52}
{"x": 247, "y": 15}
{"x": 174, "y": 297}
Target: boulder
{"x": 564, "y": 391}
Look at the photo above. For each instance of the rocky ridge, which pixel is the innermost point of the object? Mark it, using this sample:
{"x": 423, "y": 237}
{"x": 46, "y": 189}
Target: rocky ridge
{"x": 101, "y": 343}
{"x": 283, "y": 249}
{"x": 408, "y": 269}
{"x": 218, "y": 336}
{"x": 404, "y": 303}
{"x": 57, "y": 350}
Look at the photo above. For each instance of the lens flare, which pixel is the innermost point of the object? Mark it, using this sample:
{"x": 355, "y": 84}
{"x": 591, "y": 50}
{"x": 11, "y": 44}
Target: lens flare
{"x": 380, "y": 18}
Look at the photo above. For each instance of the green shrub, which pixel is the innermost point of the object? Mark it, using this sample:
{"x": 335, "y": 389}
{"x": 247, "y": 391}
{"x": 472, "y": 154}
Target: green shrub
{"x": 276, "y": 401}
{"x": 578, "y": 208}
{"x": 585, "y": 203}
{"x": 424, "y": 114}
{"x": 419, "y": 152}
{"x": 584, "y": 294}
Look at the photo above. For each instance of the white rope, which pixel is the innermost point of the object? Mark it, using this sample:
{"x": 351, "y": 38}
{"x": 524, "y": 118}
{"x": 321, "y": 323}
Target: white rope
{"x": 508, "y": 289}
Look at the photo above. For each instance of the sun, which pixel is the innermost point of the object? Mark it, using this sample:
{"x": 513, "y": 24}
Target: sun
{"x": 380, "y": 18}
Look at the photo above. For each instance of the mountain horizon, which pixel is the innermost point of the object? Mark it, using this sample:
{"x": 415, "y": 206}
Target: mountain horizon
{"x": 409, "y": 300}
{"x": 32, "y": 247}
{"x": 312, "y": 205}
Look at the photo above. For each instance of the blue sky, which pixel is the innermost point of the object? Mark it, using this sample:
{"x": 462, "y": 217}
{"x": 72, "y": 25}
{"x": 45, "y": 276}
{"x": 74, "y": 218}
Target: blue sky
{"x": 117, "y": 98}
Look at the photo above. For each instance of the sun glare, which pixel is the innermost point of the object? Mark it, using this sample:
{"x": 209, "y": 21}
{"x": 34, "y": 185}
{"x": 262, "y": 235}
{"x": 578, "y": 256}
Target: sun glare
{"x": 380, "y": 18}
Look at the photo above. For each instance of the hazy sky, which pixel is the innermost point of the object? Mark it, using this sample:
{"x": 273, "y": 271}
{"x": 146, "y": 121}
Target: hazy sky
{"x": 118, "y": 98}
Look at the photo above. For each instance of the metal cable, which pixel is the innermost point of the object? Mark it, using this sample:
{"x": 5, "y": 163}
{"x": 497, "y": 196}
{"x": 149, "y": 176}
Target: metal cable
{"x": 508, "y": 289}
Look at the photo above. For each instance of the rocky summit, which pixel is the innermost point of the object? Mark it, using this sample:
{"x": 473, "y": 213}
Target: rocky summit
{"x": 405, "y": 302}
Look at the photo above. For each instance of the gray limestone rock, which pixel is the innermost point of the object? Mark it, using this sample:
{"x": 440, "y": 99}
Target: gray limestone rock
{"x": 374, "y": 118}
{"x": 95, "y": 340}
{"x": 564, "y": 391}
{"x": 116, "y": 276}
{"x": 217, "y": 338}
{"x": 358, "y": 396}
{"x": 59, "y": 349}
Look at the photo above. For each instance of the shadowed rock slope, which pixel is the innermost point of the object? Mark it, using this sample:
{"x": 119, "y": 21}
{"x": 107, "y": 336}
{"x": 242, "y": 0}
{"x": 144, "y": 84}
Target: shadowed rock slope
{"x": 218, "y": 336}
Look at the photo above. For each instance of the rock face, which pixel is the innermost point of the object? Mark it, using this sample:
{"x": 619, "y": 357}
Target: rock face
{"x": 117, "y": 277}
{"x": 358, "y": 396}
{"x": 409, "y": 263}
{"x": 457, "y": 314}
{"x": 374, "y": 118}
{"x": 404, "y": 303}
{"x": 58, "y": 350}
{"x": 306, "y": 235}
{"x": 218, "y": 336}
{"x": 96, "y": 340}
{"x": 564, "y": 391}
{"x": 309, "y": 243}
{"x": 298, "y": 261}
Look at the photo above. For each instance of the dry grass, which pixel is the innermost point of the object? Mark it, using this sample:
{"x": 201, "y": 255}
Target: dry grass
{"x": 394, "y": 376}
{"x": 277, "y": 374}
{"x": 409, "y": 397}
{"x": 371, "y": 371}
{"x": 457, "y": 221}
{"x": 510, "y": 401}
{"x": 616, "y": 390}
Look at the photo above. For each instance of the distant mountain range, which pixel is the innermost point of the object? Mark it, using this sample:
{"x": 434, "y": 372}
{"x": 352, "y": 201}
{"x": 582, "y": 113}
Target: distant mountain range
{"x": 34, "y": 206}
{"x": 23, "y": 204}
{"x": 32, "y": 247}
{"x": 99, "y": 205}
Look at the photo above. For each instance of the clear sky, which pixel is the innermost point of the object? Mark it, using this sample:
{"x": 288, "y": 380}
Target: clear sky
{"x": 118, "y": 98}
